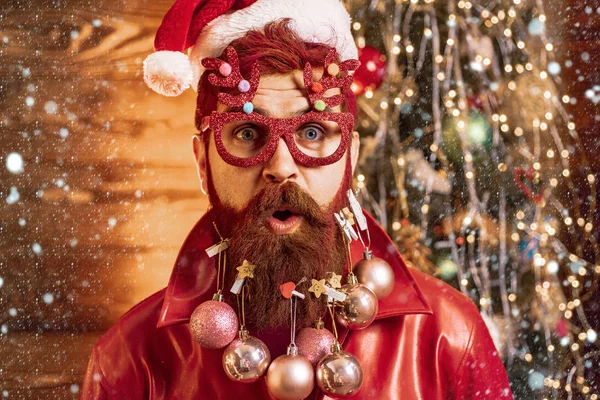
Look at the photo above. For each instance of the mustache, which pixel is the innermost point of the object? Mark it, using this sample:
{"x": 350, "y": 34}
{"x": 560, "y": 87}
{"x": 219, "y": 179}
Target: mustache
{"x": 287, "y": 196}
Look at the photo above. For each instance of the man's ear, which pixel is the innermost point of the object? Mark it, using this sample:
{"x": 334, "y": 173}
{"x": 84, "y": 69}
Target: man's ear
{"x": 200, "y": 156}
{"x": 355, "y": 149}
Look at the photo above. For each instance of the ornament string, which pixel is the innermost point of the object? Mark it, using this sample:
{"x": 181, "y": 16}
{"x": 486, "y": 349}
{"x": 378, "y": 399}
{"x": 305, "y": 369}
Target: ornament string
{"x": 221, "y": 262}
{"x": 368, "y": 245}
{"x": 293, "y": 309}
{"x": 241, "y": 309}
{"x": 349, "y": 256}
{"x": 333, "y": 326}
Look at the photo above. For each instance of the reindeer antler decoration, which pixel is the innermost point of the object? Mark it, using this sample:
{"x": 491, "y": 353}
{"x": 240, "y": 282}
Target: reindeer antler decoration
{"x": 316, "y": 89}
{"x": 232, "y": 77}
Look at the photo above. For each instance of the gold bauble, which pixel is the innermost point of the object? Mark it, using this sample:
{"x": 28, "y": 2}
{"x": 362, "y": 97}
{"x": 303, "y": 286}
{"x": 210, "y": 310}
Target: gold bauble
{"x": 339, "y": 373}
{"x": 290, "y": 377}
{"x": 246, "y": 359}
{"x": 360, "y": 307}
{"x": 376, "y": 274}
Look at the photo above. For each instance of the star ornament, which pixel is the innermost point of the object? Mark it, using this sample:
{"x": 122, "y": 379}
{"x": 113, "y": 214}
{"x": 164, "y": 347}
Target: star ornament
{"x": 335, "y": 280}
{"x": 246, "y": 270}
{"x": 317, "y": 287}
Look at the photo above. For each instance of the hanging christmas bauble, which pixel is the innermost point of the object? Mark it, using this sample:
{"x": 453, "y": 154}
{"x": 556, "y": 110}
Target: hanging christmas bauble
{"x": 246, "y": 359}
{"x": 376, "y": 274}
{"x": 339, "y": 373}
{"x": 360, "y": 307}
{"x": 214, "y": 323}
{"x": 477, "y": 134}
{"x": 314, "y": 343}
{"x": 371, "y": 72}
{"x": 290, "y": 376}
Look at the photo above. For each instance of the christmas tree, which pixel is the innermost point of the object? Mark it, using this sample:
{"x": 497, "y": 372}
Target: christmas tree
{"x": 471, "y": 162}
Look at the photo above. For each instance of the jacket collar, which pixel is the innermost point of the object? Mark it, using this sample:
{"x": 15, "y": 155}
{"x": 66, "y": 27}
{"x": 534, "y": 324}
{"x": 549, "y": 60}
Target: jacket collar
{"x": 193, "y": 278}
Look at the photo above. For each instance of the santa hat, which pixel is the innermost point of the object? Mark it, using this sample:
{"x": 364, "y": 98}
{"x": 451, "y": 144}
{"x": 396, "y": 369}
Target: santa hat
{"x": 206, "y": 27}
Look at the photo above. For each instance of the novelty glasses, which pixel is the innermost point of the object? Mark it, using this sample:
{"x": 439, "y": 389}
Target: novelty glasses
{"x": 313, "y": 139}
{"x": 246, "y": 139}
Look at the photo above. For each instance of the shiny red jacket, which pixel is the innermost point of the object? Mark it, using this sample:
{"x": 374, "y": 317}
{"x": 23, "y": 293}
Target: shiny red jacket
{"x": 427, "y": 342}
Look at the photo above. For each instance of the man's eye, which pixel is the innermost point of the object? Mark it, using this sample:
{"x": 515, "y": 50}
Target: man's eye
{"x": 246, "y": 134}
{"x": 312, "y": 132}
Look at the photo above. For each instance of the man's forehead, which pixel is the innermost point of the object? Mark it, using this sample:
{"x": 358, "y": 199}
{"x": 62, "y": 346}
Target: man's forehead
{"x": 283, "y": 96}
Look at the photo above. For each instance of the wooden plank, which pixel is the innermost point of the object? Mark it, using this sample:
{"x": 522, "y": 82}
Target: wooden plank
{"x": 109, "y": 201}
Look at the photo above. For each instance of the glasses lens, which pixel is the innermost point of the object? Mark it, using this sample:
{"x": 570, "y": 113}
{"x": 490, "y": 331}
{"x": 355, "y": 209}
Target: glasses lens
{"x": 318, "y": 139}
{"x": 244, "y": 139}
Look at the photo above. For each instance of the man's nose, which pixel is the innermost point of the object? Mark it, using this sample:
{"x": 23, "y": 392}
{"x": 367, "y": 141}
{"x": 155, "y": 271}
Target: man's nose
{"x": 282, "y": 166}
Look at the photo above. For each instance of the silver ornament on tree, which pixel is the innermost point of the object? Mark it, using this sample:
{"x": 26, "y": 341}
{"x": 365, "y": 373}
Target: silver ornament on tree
{"x": 247, "y": 358}
{"x": 291, "y": 376}
{"x": 214, "y": 324}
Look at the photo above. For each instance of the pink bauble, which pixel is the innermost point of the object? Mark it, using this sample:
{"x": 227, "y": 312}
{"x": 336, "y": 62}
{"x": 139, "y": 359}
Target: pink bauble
{"x": 314, "y": 344}
{"x": 214, "y": 324}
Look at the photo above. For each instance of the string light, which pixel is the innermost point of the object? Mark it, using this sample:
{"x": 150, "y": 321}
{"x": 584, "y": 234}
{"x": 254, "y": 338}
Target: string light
{"x": 535, "y": 132}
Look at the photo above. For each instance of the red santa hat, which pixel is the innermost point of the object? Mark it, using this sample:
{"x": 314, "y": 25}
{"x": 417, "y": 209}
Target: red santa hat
{"x": 204, "y": 28}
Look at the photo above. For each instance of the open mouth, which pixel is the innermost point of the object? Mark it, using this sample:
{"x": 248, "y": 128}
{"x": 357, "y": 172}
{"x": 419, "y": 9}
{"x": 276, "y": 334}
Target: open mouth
{"x": 284, "y": 222}
{"x": 282, "y": 215}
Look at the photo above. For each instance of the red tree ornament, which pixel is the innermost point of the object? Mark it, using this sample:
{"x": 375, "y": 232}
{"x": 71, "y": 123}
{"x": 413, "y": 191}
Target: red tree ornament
{"x": 372, "y": 70}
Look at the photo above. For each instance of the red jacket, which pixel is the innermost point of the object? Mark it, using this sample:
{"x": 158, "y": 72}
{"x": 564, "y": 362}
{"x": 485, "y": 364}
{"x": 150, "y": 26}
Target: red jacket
{"x": 427, "y": 342}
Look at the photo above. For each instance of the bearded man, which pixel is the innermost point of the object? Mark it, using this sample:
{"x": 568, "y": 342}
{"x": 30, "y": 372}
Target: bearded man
{"x": 276, "y": 154}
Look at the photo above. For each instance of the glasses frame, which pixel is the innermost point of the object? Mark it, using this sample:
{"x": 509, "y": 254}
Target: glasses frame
{"x": 281, "y": 128}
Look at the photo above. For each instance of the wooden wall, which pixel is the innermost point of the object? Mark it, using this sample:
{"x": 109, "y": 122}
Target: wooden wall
{"x": 109, "y": 189}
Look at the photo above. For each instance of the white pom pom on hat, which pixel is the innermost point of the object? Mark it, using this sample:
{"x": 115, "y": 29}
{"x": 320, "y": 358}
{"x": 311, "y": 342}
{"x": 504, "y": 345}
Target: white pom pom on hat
{"x": 207, "y": 27}
{"x": 168, "y": 72}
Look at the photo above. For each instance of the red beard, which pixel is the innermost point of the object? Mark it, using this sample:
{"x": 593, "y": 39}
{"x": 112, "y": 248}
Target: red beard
{"x": 314, "y": 249}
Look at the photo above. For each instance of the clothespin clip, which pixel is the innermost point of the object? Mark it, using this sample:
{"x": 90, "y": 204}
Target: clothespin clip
{"x": 346, "y": 226}
{"x": 217, "y": 248}
{"x": 334, "y": 282}
{"x": 357, "y": 210}
{"x": 319, "y": 287}
{"x": 288, "y": 290}
{"x": 246, "y": 270}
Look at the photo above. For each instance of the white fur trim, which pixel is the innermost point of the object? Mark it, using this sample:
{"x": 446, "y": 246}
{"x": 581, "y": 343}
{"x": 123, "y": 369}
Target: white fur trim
{"x": 317, "y": 21}
{"x": 168, "y": 72}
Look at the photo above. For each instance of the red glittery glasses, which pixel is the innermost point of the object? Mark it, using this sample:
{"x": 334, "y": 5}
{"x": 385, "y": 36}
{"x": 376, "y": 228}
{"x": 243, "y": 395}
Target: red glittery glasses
{"x": 246, "y": 139}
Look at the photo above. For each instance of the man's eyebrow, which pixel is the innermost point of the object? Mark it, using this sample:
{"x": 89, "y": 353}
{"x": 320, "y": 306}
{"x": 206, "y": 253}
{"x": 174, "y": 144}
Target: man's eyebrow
{"x": 262, "y": 111}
